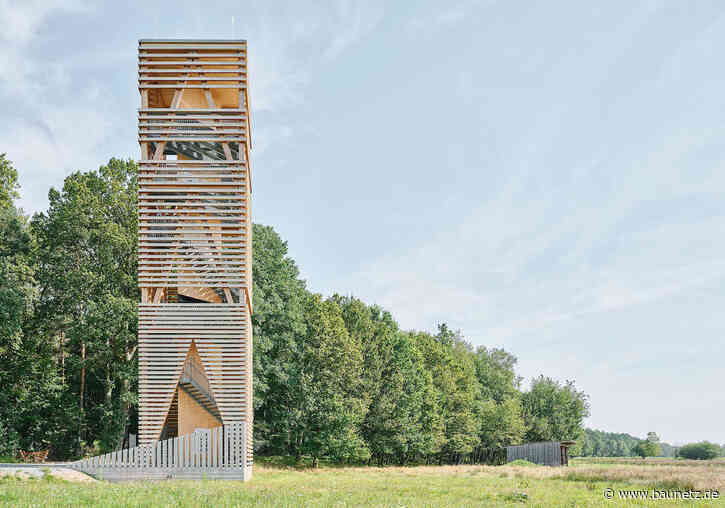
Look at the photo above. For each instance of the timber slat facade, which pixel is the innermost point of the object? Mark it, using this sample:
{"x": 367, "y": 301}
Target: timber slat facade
{"x": 194, "y": 237}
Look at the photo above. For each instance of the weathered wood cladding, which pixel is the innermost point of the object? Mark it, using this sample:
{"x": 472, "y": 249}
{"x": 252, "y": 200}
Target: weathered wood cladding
{"x": 194, "y": 226}
{"x": 548, "y": 453}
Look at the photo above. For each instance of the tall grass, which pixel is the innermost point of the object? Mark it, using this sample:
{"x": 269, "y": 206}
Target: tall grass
{"x": 284, "y": 485}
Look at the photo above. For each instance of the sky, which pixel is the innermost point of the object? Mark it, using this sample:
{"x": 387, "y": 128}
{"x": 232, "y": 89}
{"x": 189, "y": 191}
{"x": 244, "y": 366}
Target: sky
{"x": 547, "y": 177}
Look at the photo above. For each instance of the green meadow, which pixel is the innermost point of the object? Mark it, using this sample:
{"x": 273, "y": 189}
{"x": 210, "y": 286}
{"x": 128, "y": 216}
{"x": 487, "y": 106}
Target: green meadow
{"x": 582, "y": 484}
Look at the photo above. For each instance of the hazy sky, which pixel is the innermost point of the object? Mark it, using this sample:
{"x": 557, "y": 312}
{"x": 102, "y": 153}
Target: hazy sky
{"x": 546, "y": 176}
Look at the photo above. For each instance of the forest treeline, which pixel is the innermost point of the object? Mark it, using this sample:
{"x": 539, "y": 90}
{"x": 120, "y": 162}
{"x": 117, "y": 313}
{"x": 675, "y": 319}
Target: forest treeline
{"x": 333, "y": 377}
{"x": 597, "y": 443}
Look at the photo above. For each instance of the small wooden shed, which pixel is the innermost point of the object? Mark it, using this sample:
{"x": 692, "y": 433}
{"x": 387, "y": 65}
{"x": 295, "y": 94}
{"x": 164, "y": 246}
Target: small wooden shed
{"x": 547, "y": 453}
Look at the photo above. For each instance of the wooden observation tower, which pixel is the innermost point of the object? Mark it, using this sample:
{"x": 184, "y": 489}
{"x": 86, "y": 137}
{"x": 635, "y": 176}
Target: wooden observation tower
{"x": 194, "y": 248}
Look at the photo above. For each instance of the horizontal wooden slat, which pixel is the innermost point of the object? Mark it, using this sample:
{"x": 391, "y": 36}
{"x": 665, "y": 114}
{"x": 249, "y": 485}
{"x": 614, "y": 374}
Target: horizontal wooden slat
{"x": 196, "y": 46}
{"x": 234, "y": 60}
{"x": 194, "y": 226}
{"x": 237, "y": 77}
{"x": 146, "y": 86}
{"x": 148, "y": 57}
{"x": 241, "y": 111}
{"x": 196, "y": 68}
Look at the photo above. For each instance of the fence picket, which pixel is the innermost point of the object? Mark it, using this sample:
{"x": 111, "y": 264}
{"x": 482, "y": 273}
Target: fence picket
{"x": 219, "y": 458}
{"x": 227, "y": 444}
{"x": 237, "y": 448}
{"x": 207, "y": 438}
{"x": 219, "y": 437}
{"x": 195, "y": 444}
{"x": 233, "y": 445}
{"x": 214, "y": 447}
{"x": 244, "y": 449}
{"x": 200, "y": 437}
{"x": 213, "y": 450}
{"x": 186, "y": 450}
{"x": 192, "y": 441}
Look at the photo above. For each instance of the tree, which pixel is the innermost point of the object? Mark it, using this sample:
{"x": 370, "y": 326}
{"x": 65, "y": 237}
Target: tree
{"x": 400, "y": 423}
{"x": 501, "y": 423}
{"x": 668, "y": 450}
{"x": 449, "y": 360}
{"x": 553, "y": 411}
{"x": 646, "y": 449}
{"x": 87, "y": 276}
{"x": 496, "y": 375}
{"x": 31, "y": 401}
{"x": 8, "y": 183}
{"x": 279, "y": 327}
{"x": 401, "y": 420}
{"x": 327, "y": 405}
{"x": 499, "y": 410}
{"x": 704, "y": 450}
{"x": 592, "y": 443}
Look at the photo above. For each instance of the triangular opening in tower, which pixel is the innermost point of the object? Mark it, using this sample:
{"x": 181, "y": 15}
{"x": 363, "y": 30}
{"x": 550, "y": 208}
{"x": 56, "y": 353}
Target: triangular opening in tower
{"x": 193, "y": 405}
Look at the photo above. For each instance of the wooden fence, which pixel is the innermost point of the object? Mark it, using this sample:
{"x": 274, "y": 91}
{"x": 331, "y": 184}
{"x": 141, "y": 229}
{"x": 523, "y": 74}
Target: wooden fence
{"x": 218, "y": 453}
{"x": 490, "y": 456}
{"x": 547, "y": 453}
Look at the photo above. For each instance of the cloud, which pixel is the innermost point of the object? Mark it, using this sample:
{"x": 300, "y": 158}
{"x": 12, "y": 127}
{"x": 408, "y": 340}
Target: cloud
{"x": 67, "y": 107}
{"x": 50, "y": 123}
{"x": 288, "y": 46}
{"x": 350, "y": 23}
{"x": 442, "y": 18}
{"x": 286, "y": 57}
{"x": 529, "y": 259}
{"x": 22, "y": 20}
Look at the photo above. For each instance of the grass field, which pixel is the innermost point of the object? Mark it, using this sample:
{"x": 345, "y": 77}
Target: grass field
{"x": 581, "y": 484}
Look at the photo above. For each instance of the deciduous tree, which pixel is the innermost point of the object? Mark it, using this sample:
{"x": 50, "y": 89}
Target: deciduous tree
{"x": 327, "y": 404}
{"x": 9, "y": 185}
{"x": 646, "y": 449}
{"x": 87, "y": 272}
{"x": 553, "y": 411}
{"x": 704, "y": 450}
{"x": 279, "y": 328}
